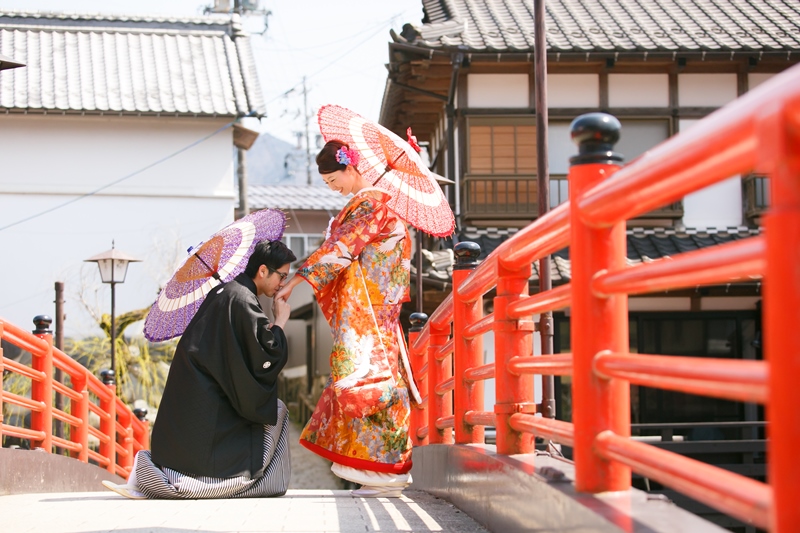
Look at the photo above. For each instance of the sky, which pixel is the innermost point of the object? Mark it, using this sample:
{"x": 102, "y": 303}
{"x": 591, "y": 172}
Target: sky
{"x": 341, "y": 49}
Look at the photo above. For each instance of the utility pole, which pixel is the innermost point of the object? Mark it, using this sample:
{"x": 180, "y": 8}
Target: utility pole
{"x": 306, "y": 118}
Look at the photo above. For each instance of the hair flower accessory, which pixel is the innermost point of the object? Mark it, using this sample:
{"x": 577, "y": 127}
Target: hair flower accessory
{"x": 345, "y": 156}
{"x": 412, "y": 140}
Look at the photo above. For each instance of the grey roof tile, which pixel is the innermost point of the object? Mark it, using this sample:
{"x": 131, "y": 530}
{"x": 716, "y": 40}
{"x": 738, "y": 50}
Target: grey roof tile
{"x": 127, "y": 64}
{"x": 643, "y": 244}
{"x": 614, "y": 25}
{"x": 300, "y": 197}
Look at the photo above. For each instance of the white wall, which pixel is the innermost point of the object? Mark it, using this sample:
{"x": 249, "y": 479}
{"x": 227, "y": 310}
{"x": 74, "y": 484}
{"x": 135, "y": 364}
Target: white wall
{"x": 638, "y": 90}
{"x": 573, "y": 90}
{"x": 706, "y": 90}
{"x": 755, "y": 79}
{"x": 154, "y": 216}
{"x": 498, "y": 90}
{"x": 717, "y": 206}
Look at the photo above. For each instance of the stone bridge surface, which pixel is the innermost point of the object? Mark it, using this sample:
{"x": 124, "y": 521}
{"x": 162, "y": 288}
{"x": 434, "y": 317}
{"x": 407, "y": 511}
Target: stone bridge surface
{"x": 317, "y": 511}
{"x": 315, "y": 503}
{"x": 458, "y": 489}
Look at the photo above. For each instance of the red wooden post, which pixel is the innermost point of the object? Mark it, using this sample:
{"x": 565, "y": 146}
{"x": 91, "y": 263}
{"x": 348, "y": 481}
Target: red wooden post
{"x": 418, "y": 360}
{"x": 438, "y": 371}
{"x": 108, "y": 426}
{"x": 126, "y": 420}
{"x": 141, "y": 431}
{"x": 781, "y": 316}
{"x": 597, "y": 323}
{"x": 467, "y": 353}
{"x": 80, "y": 409}
{"x": 42, "y": 391}
{"x": 512, "y": 337}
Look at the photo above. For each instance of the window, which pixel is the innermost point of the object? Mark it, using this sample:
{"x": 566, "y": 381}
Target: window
{"x": 501, "y": 167}
{"x": 724, "y": 334}
{"x": 756, "y": 193}
{"x": 504, "y": 146}
{"x": 302, "y": 244}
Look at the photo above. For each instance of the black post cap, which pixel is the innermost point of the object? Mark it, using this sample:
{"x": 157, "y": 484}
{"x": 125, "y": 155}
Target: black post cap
{"x": 42, "y": 323}
{"x": 595, "y": 134}
{"x": 467, "y": 254}
{"x": 418, "y": 321}
{"x": 140, "y": 413}
{"x": 108, "y": 377}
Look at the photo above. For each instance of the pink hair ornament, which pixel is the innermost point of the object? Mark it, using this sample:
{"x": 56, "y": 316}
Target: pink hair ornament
{"x": 345, "y": 156}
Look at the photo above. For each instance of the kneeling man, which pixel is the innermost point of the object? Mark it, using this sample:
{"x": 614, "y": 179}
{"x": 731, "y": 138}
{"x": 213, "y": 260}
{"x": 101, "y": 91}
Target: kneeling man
{"x": 221, "y": 431}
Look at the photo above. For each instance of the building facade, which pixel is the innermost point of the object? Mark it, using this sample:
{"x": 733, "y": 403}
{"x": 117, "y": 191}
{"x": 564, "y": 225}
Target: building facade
{"x": 118, "y": 129}
{"x": 465, "y": 81}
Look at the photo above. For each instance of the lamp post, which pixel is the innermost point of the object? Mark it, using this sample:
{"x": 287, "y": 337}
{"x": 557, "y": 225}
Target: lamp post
{"x": 113, "y": 266}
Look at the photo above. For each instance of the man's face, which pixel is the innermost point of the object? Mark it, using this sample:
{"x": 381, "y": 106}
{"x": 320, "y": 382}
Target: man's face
{"x": 269, "y": 281}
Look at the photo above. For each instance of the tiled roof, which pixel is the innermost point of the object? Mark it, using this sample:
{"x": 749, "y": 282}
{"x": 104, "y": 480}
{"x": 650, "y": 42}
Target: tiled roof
{"x": 612, "y": 25}
{"x": 301, "y": 197}
{"x": 129, "y": 65}
{"x": 644, "y": 245}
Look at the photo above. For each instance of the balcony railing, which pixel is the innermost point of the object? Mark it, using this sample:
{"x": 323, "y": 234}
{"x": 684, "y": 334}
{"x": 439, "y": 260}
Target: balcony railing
{"x": 516, "y": 197}
{"x": 510, "y": 197}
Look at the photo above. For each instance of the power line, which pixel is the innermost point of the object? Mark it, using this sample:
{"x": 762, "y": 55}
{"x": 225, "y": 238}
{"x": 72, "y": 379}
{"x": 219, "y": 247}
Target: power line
{"x": 120, "y": 180}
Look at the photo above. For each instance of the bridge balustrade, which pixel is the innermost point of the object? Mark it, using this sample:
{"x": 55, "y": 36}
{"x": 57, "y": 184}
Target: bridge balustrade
{"x": 758, "y": 133}
{"x": 120, "y": 434}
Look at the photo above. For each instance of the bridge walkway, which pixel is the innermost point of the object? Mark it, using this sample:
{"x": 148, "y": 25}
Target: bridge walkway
{"x": 317, "y": 511}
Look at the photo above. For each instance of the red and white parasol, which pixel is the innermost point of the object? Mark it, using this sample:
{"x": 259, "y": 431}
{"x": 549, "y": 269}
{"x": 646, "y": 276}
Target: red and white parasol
{"x": 389, "y": 162}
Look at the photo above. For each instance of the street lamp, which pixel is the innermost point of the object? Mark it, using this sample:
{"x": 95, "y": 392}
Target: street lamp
{"x": 113, "y": 266}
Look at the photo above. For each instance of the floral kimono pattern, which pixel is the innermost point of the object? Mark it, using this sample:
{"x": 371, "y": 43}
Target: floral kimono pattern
{"x": 360, "y": 276}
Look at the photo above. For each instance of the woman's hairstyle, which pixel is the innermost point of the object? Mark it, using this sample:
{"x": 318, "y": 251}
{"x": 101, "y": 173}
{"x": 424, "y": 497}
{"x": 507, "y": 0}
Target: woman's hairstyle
{"x": 330, "y": 158}
{"x": 272, "y": 254}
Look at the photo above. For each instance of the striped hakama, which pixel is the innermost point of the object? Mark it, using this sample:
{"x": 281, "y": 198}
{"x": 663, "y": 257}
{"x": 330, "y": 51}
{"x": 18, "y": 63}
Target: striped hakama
{"x": 159, "y": 482}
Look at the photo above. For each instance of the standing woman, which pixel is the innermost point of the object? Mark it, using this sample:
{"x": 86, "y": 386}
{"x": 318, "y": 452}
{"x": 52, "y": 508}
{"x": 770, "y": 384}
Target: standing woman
{"x": 360, "y": 276}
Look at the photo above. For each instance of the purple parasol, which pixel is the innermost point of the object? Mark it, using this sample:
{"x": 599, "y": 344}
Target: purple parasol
{"x": 217, "y": 260}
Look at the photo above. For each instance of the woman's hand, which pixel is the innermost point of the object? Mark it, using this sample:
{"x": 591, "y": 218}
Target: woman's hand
{"x": 286, "y": 291}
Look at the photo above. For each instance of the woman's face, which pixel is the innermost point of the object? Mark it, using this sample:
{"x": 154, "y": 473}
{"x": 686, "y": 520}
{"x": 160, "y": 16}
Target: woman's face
{"x": 342, "y": 181}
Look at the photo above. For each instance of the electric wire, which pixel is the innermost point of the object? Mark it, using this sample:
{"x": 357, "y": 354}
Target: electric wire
{"x": 120, "y": 180}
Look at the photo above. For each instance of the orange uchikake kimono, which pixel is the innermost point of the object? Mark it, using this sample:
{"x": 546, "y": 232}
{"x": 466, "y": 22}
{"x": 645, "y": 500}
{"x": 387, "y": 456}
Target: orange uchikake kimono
{"x": 360, "y": 276}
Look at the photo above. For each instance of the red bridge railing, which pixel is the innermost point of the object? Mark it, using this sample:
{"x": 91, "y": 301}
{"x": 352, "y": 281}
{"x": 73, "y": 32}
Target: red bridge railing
{"x": 120, "y": 433}
{"x": 759, "y": 132}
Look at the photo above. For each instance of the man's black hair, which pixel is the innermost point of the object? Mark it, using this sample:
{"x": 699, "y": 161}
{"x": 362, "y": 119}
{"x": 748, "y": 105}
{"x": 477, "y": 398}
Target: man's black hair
{"x": 272, "y": 254}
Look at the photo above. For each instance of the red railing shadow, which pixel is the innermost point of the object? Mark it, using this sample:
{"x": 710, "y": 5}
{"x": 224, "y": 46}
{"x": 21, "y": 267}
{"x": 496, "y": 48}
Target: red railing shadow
{"x": 759, "y": 132}
{"x": 120, "y": 433}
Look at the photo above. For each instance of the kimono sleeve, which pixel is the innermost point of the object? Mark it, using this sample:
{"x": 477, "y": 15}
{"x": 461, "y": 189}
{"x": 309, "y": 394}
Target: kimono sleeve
{"x": 353, "y": 229}
{"x": 254, "y": 367}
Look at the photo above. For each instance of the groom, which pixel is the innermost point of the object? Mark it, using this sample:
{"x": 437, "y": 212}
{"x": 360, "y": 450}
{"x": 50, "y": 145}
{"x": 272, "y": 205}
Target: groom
{"x": 221, "y": 431}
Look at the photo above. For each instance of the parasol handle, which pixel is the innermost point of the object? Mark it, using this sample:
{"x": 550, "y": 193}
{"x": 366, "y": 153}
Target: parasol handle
{"x": 389, "y": 166}
{"x": 214, "y": 274}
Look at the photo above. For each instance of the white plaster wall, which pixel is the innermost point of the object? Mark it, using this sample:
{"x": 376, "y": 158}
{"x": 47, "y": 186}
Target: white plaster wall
{"x": 573, "y": 90}
{"x": 717, "y": 206}
{"x": 638, "y": 90}
{"x": 560, "y": 147}
{"x": 498, "y": 90}
{"x": 729, "y": 303}
{"x": 155, "y": 215}
{"x": 659, "y": 304}
{"x": 757, "y": 78}
{"x": 706, "y": 90}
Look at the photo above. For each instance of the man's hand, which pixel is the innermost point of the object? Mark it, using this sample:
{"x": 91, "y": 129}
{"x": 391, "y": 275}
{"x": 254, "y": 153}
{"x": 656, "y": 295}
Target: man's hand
{"x": 280, "y": 310}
